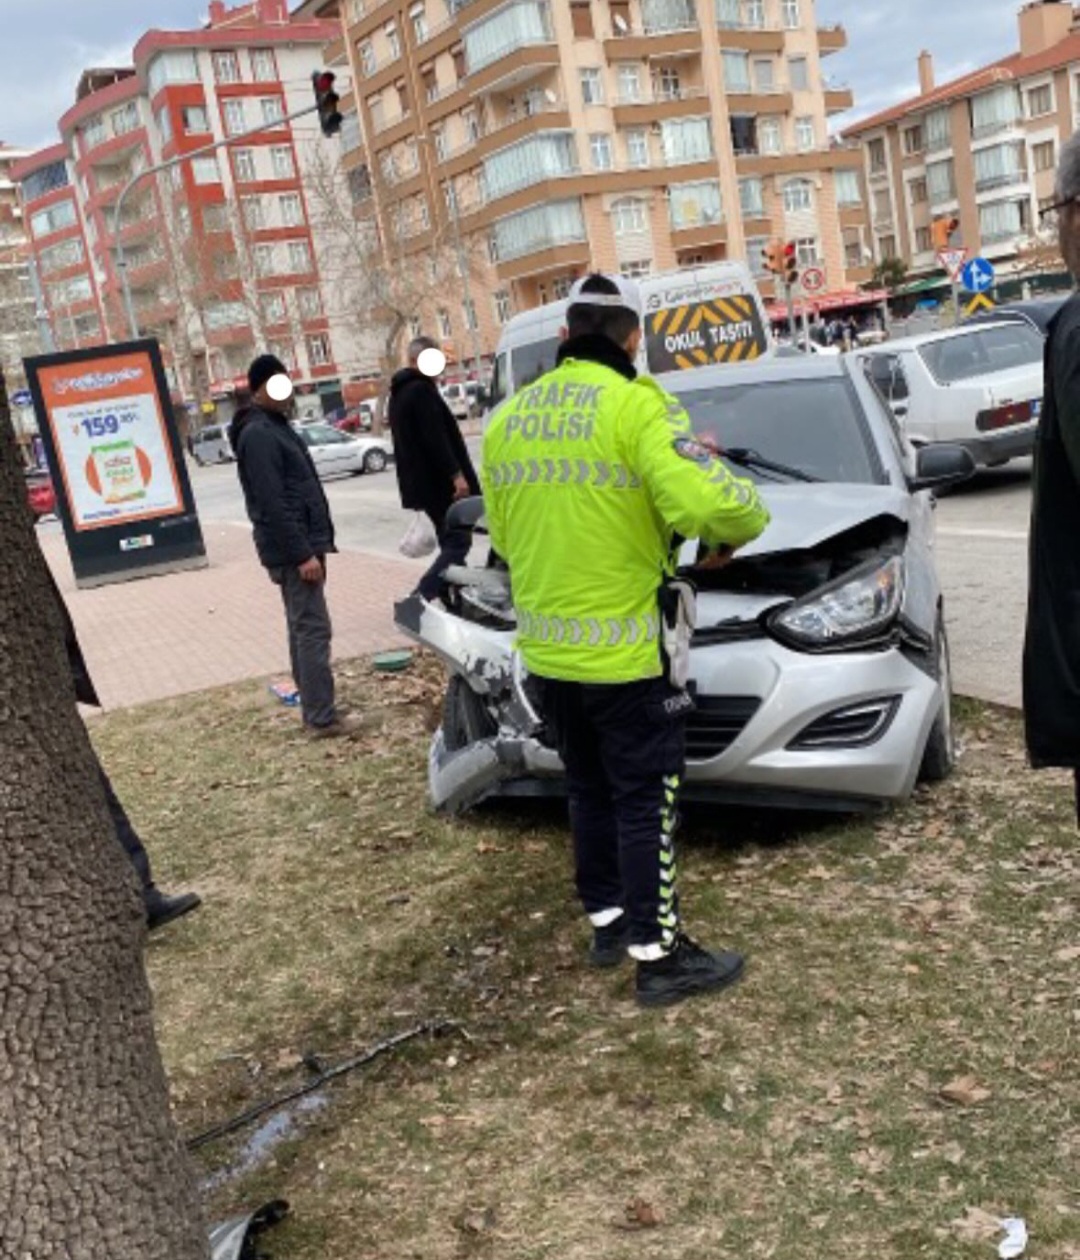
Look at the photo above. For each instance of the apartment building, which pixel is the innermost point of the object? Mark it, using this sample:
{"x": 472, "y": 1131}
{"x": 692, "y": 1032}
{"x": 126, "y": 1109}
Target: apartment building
{"x": 17, "y": 329}
{"x": 626, "y": 135}
{"x": 983, "y": 148}
{"x": 222, "y": 251}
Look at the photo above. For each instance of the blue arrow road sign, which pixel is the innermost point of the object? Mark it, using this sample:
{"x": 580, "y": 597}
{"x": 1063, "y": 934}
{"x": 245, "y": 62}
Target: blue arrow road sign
{"x": 977, "y": 276}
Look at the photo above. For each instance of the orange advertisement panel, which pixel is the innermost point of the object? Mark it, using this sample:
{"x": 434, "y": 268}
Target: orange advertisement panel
{"x": 111, "y": 440}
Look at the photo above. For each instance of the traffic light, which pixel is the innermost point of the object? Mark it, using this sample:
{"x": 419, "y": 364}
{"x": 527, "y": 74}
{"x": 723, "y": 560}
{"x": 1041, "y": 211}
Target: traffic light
{"x": 791, "y": 263}
{"x": 942, "y": 229}
{"x": 327, "y": 101}
{"x": 773, "y": 254}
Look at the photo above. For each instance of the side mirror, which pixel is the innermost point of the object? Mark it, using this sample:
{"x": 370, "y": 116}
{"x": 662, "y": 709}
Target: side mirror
{"x": 940, "y": 465}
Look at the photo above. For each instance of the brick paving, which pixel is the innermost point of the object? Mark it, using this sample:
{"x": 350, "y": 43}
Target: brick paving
{"x": 166, "y": 636}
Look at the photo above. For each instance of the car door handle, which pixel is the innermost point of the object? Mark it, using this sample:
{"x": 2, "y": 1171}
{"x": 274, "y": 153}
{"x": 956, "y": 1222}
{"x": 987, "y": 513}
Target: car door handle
{"x": 900, "y": 411}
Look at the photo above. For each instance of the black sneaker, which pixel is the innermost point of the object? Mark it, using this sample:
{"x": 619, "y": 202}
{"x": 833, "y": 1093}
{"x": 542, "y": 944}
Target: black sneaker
{"x": 162, "y": 909}
{"x": 609, "y": 943}
{"x": 687, "y": 970}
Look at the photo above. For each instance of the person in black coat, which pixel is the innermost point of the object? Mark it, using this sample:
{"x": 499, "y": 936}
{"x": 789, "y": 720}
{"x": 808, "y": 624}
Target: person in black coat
{"x": 160, "y": 907}
{"x": 433, "y": 465}
{"x": 1052, "y": 646}
{"x": 294, "y": 533}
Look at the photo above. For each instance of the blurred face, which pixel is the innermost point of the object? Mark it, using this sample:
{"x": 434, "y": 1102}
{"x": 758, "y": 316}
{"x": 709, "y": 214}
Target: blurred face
{"x": 276, "y": 394}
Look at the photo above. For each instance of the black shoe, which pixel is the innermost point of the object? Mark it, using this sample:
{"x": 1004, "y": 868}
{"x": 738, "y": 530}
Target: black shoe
{"x": 161, "y": 909}
{"x": 687, "y": 970}
{"x": 609, "y": 943}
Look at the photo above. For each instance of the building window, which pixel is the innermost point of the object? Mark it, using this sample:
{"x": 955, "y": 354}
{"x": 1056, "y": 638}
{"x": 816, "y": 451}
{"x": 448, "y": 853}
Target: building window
{"x": 66, "y": 254}
{"x": 806, "y": 251}
{"x": 799, "y": 74}
{"x": 124, "y": 120}
{"x": 263, "y": 258}
{"x": 805, "y": 139}
{"x": 273, "y": 110}
{"x": 629, "y": 216}
{"x": 472, "y": 125}
{"x": 503, "y": 309}
{"x": 876, "y": 152}
{"x": 235, "y": 121}
{"x": 438, "y": 139}
{"x": 798, "y": 196}
{"x": 913, "y": 140}
{"x": 281, "y": 158}
{"x": 695, "y": 205}
{"x": 752, "y": 197}
{"x": 163, "y": 118}
{"x": 1043, "y": 156}
{"x": 492, "y": 251}
{"x": 848, "y": 191}
{"x": 937, "y": 130}
{"x": 445, "y": 329}
{"x": 765, "y": 74}
{"x": 53, "y": 219}
{"x": 468, "y": 310}
{"x": 924, "y": 242}
{"x": 592, "y": 86}
{"x": 998, "y": 165}
{"x": 252, "y": 210}
{"x": 686, "y": 139}
{"x": 263, "y": 65}
{"x": 215, "y": 218}
{"x": 941, "y": 181}
{"x": 581, "y": 18}
{"x": 205, "y": 170}
{"x": 196, "y": 120}
{"x": 274, "y": 310}
{"x": 600, "y": 152}
{"x": 917, "y": 189}
{"x": 285, "y": 351}
{"x": 770, "y": 136}
{"x": 318, "y": 350}
{"x": 292, "y": 210}
{"x": 299, "y": 257}
{"x": 423, "y": 214}
{"x": 393, "y": 39}
{"x": 310, "y": 303}
{"x": 418, "y": 17}
{"x": 226, "y": 67}
{"x": 886, "y": 247}
{"x": 171, "y": 67}
{"x": 637, "y": 148}
{"x": 1040, "y": 101}
{"x": 629, "y": 80}
{"x": 667, "y": 85}
{"x": 368, "y": 64}
{"x": 560, "y": 288}
{"x": 882, "y": 198}
{"x": 244, "y": 166}
{"x": 790, "y": 12}
{"x": 636, "y": 268}
{"x": 736, "y": 71}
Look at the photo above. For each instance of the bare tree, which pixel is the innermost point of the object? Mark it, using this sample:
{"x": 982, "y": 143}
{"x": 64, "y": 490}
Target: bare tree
{"x": 90, "y": 1161}
{"x": 19, "y": 335}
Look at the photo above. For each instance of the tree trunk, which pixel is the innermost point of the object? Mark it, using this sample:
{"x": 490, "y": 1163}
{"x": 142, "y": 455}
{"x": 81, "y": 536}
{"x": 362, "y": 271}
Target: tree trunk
{"x": 90, "y": 1160}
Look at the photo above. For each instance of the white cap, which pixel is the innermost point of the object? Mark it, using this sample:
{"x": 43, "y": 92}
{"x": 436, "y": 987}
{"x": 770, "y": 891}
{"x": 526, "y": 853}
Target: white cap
{"x": 628, "y": 297}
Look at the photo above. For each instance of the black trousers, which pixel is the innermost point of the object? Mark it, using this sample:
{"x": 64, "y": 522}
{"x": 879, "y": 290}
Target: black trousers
{"x": 126, "y": 833}
{"x": 624, "y": 748}
{"x": 454, "y": 546}
{"x": 307, "y": 618}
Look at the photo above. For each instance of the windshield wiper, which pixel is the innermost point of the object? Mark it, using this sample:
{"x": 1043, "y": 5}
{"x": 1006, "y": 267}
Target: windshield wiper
{"x": 747, "y": 458}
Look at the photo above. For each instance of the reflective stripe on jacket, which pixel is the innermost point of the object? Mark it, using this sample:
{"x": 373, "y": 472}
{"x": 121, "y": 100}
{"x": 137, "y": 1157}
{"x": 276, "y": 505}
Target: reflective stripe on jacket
{"x": 587, "y": 478}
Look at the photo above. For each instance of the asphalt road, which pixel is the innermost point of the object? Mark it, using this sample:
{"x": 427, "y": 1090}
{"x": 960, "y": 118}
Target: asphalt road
{"x": 982, "y": 557}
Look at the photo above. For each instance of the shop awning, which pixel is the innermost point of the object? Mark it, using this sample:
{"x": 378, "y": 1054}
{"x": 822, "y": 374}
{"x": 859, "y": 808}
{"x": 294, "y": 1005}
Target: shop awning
{"x": 923, "y": 286}
{"x": 823, "y": 303}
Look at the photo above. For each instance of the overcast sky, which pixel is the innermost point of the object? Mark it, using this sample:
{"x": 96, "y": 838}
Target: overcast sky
{"x": 47, "y": 44}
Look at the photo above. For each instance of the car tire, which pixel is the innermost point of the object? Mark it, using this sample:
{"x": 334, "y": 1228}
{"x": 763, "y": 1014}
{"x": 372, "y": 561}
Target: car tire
{"x": 465, "y": 720}
{"x": 374, "y": 461}
{"x": 939, "y": 756}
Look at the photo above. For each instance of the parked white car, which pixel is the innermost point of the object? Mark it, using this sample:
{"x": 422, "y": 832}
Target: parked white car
{"x": 335, "y": 453}
{"x": 980, "y": 387}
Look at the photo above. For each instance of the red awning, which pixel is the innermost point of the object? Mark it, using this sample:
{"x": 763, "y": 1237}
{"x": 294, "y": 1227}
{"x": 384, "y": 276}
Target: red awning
{"x": 823, "y": 302}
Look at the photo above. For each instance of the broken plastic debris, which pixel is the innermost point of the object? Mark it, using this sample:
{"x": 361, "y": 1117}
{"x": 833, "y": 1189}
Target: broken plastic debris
{"x": 1016, "y": 1238}
{"x": 286, "y": 691}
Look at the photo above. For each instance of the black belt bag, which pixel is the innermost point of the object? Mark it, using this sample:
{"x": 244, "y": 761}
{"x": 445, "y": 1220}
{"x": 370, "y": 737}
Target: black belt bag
{"x": 678, "y": 617}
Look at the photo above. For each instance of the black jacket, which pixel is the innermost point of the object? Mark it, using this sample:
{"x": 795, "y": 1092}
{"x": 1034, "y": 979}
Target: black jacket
{"x": 284, "y": 496}
{"x": 1052, "y": 649}
{"x": 429, "y": 450}
{"x": 85, "y": 691}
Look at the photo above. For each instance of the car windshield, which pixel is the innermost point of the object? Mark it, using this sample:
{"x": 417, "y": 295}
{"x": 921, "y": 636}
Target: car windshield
{"x": 322, "y": 435}
{"x": 815, "y": 426}
{"x": 981, "y": 352}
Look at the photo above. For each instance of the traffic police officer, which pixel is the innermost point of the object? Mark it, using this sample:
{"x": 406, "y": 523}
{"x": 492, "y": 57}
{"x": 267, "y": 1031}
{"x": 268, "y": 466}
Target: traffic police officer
{"x": 591, "y": 476}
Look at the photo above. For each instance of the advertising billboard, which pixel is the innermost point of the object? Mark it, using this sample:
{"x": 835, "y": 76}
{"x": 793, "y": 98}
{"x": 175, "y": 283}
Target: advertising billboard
{"x": 113, "y": 449}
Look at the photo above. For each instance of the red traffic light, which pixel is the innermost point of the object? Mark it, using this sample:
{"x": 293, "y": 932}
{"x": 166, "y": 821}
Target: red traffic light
{"x": 323, "y": 80}
{"x": 326, "y": 100}
{"x": 773, "y": 254}
{"x": 791, "y": 262}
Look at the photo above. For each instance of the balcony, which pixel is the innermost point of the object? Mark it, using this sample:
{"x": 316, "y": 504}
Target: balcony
{"x": 743, "y": 99}
{"x": 752, "y": 39}
{"x": 1003, "y": 179}
{"x": 640, "y": 109}
{"x": 831, "y": 39}
{"x": 998, "y": 127}
{"x": 509, "y": 131}
{"x": 838, "y": 99}
{"x": 517, "y": 66}
{"x": 640, "y": 44}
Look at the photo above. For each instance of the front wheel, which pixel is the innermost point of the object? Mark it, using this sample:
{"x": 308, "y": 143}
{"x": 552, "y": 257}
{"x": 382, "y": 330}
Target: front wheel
{"x": 939, "y": 756}
{"x": 374, "y": 461}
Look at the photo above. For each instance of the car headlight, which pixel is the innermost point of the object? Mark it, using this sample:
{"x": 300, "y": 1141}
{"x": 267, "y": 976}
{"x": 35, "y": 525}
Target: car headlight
{"x": 859, "y": 606}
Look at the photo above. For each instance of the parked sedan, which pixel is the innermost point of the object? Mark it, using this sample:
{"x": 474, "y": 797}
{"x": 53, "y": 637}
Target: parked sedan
{"x": 979, "y": 386}
{"x": 820, "y": 663}
{"x": 336, "y": 453}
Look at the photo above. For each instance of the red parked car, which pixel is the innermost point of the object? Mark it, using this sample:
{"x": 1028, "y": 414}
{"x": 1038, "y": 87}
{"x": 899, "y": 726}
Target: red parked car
{"x": 40, "y": 494}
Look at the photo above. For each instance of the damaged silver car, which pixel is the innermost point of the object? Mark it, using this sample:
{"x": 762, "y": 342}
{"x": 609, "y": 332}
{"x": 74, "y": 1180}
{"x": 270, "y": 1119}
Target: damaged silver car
{"x": 820, "y": 662}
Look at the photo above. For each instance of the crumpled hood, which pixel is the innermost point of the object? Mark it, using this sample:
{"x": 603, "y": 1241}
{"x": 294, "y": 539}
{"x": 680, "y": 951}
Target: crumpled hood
{"x": 240, "y": 420}
{"x": 406, "y": 376}
{"x": 806, "y": 515}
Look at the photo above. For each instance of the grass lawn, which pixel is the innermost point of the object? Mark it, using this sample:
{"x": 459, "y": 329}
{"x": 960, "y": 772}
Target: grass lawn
{"x": 898, "y": 1069}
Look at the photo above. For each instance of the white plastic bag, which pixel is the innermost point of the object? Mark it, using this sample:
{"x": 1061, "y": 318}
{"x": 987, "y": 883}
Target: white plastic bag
{"x": 419, "y": 540}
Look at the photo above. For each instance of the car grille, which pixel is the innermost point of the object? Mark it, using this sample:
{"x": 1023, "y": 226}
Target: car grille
{"x": 717, "y": 723}
{"x": 854, "y": 727}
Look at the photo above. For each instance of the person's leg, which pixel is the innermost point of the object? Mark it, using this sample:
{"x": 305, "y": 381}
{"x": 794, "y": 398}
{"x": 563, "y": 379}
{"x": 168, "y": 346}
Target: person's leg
{"x": 126, "y": 833}
{"x": 592, "y": 817}
{"x": 277, "y": 576}
{"x": 454, "y": 547}
{"x": 310, "y": 632}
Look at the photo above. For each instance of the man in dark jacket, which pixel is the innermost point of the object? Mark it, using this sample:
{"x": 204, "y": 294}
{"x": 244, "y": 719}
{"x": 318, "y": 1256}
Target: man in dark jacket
{"x": 293, "y": 535}
{"x": 1052, "y": 649}
{"x": 433, "y": 465}
{"x": 160, "y": 907}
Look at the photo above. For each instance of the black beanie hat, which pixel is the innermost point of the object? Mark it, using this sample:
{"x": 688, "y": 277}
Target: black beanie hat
{"x": 261, "y": 370}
